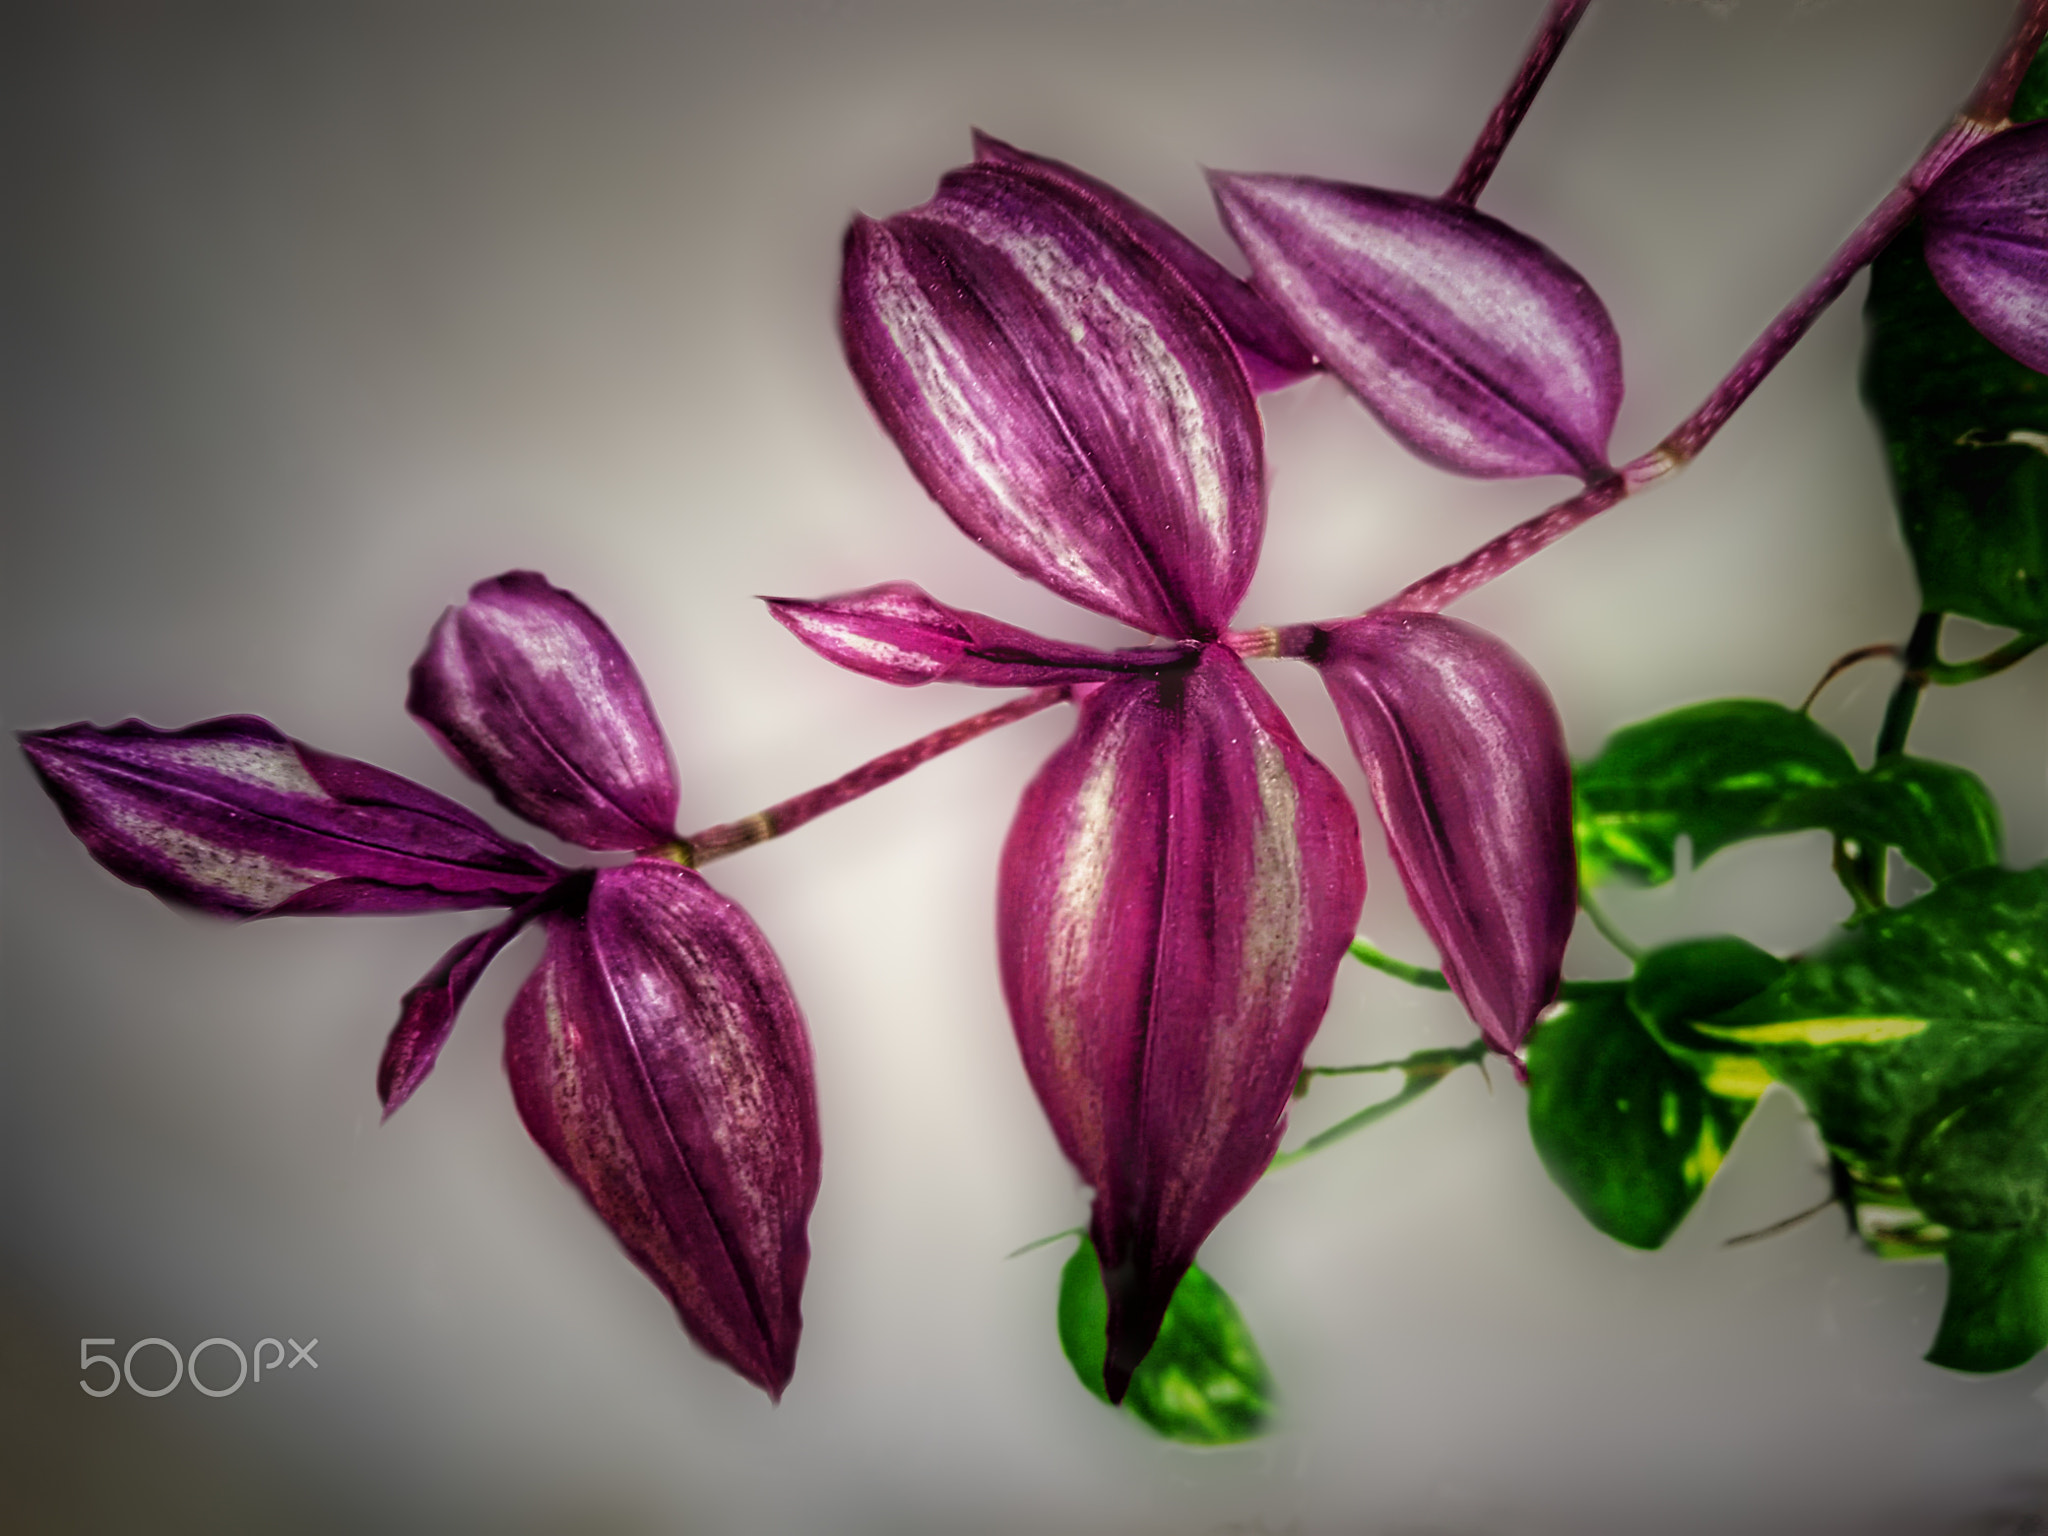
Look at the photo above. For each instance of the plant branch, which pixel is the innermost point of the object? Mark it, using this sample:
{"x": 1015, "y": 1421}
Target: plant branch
{"x": 1842, "y": 664}
{"x": 1951, "y": 674}
{"x": 1422, "y": 1071}
{"x": 1513, "y": 106}
{"x": 787, "y": 815}
{"x": 1400, "y": 970}
{"x": 1985, "y": 116}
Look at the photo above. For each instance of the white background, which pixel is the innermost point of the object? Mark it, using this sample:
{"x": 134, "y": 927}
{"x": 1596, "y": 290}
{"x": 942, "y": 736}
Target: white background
{"x": 316, "y": 314}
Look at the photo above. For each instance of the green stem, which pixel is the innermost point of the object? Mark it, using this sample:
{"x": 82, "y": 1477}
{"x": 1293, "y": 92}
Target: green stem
{"x": 1923, "y": 649}
{"x": 1951, "y": 674}
{"x": 1400, "y": 970}
{"x": 1630, "y": 950}
{"x": 1865, "y": 875}
{"x": 1423, "y": 1071}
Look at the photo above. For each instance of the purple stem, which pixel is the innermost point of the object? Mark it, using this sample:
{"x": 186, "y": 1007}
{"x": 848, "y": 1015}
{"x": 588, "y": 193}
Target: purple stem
{"x": 1514, "y": 105}
{"x": 1984, "y": 117}
{"x": 787, "y": 815}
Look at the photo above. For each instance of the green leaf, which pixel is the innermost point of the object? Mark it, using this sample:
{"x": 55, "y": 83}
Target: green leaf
{"x": 1735, "y": 769}
{"x": 1965, "y": 429}
{"x": 1919, "y": 1043}
{"x": 1676, "y": 986}
{"x": 2032, "y": 100}
{"x": 1625, "y": 1130}
{"x": 1996, "y": 1315}
{"x": 1939, "y": 816}
{"x": 1204, "y": 1382}
{"x": 1717, "y": 772}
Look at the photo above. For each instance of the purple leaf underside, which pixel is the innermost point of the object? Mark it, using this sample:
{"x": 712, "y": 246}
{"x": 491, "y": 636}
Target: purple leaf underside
{"x": 1178, "y": 888}
{"x": 529, "y": 692}
{"x": 1063, "y": 394}
{"x": 658, "y": 1057}
{"x": 235, "y": 818}
{"x": 1987, "y": 240}
{"x": 1475, "y": 346}
{"x": 899, "y": 634}
{"x": 1273, "y": 356}
{"x": 1466, "y": 756}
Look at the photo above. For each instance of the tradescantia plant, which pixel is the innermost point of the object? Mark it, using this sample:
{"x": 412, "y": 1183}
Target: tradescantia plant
{"x": 1076, "y": 384}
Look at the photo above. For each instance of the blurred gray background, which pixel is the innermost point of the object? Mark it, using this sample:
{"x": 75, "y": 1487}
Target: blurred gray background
{"x": 314, "y": 314}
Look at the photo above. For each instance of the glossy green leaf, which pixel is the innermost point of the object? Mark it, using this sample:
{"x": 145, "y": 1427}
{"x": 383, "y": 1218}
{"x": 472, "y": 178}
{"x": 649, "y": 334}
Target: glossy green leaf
{"x": 1624, "y": 1129}
{"x": 1717, "y": 773}
{"x": 1919, "y": 1043}
{"x": 1204, "y": 1382}
{"x": 1677, "y": 986}
{"x": 1735, "y": 769}
{"x": 1939, "y": 816}
{"x": 1996, "y": 1315}
{"x": 1965, "y": 430}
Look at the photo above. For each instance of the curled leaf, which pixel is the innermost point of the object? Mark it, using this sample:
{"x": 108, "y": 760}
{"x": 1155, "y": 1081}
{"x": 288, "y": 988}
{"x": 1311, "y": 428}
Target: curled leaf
{"x": 896, "y": 633}
{"x": 1987, "y": 240}
{"x": 1179, "y": 886}
{"x": 1475, "y": 346}
{"x": 1273, "y": 356}
{"x": 1466, "y": 757}
{"x": 659, "y": 1059}
{"x": 235, "y": 818}
{"x": 1063, "y": 394}
{"x": 531, "y": 694}
{"x": 427, "y": 1012}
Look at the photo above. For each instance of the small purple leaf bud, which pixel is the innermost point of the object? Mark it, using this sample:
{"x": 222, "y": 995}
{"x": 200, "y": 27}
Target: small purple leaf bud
{"x": 899, "y": 634}
{"x": 1063, "y": 394}
{"x": 659, "y": 1059}
{"x": 1987, "y": 240}
{"x": 235, "y": 818}
{"x": 1179, "y": 886}
{"x": 533, "y": 697}
{"x": 1475, "y": 346}
{"x": 1468, "y": 767}
{"x": 427, "y": 1013}
{"x": 1273, "y": 356}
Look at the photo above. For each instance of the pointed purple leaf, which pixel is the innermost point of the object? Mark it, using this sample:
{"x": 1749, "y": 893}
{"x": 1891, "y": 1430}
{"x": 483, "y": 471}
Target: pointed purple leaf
{"x": 531, "y": 694}
{"x": 658, "y": 1057}
{"x": 235, "y": 818}
{"x": 1273, "y": 356}
{"x": 1475, "y": 346}
{"x": 1468, "y": 767}
{"x": 898, "y": 633}
{"x": 1063, "y": 394}
{"x": 1178, "y": 888}
{"x": 1987, "y": 240}
{"x": 427, "y": 1013}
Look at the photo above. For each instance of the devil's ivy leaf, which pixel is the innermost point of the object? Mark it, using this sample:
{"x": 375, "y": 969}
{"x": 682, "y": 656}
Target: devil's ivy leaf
{"x": 1965, "y": 428}
{"x": 1204, "y": 1382}
{"x": 1624, "y": 1129}
{"x": 1919, "y": 1042}
{"x": 1676, "y": 986}
{"x": 1996, "y": 1316}
{"x": 1735, "y": 769}
{"x": 1939, "y": 816}
{"x": 1717, "y": 772}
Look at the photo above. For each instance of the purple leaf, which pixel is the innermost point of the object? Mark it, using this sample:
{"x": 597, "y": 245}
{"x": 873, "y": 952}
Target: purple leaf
{"x": 237, "y": 819}
{"x": 1467, "y": 761}
{"x": 1063, "y": 394}
{"x": 1476, "y": 346}
{"x": 1273, "y": 356}
{"x": 531, "y": 694}
{"x": 658, "y": 1057}
{"x": 898, "y": 633}
{"x": 1987, "y": 240}
{"x": 1177, "y": 891}
{"x": 428, "y": 1011}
